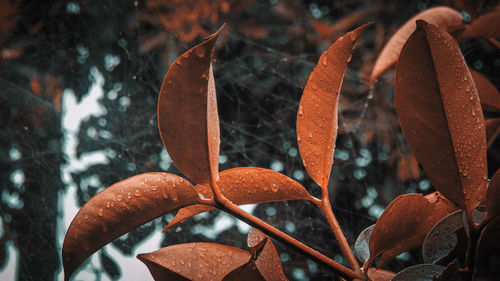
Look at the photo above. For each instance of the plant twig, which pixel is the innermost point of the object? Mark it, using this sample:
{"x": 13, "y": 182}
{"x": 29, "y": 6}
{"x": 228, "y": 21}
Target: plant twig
{"x": 230, "y": 208}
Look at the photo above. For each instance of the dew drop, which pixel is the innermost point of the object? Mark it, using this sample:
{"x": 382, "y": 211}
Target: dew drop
{"x": 137, "y": 192}
{"x": 325, "y": 60}
{"x": 100, "y": 212}
{"x": 119, "y": 197}
{"x": 274, "y": 187}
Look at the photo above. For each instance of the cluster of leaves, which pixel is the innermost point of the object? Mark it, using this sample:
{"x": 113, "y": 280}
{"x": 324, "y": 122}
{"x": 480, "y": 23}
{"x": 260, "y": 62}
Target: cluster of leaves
{"x": 439, "y": 107}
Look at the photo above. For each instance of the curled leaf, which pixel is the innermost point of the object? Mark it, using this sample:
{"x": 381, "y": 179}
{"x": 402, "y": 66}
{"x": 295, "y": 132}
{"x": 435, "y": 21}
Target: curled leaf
{"x": 362, "y": 244}
{"x": 248, "y": 185}
{"x": 486, "y": 26}
{"x": 194, "y": 261}
{"x": 442, "y": 239}
{"x": 440, "y": 115}
{"x": 404, "y": 224}
{"x": 187, "y": 113}
{"x": 317, "y": 117}
{"x": 421, "y": 272}
{"x": 493, "y": 196}
{"x": 444, "y": 17}
{"x": 120, "y": 208}
{"x": 492, "y": 130}
{"x": 488, "y": 93}
{"x": 267, "y": 262}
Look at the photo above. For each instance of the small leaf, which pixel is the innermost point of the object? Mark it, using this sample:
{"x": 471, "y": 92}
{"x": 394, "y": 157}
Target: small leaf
{"x": 362, "y": 245}
{"x": 120, "y": 208}
{"x": 317, "y": 117}
{"x": 492, "y": 130}
{"x": 187, "y": 113}
{"x": 488, "y": 252}
{"x": 380, "y": 274}
{"x": 421, "y": 272}
{"x": 268, "y": 262}
{"x": 486, "y": 26}
{"x": 194, "y": 261}
{"x": 440, "y": 115}
{"x": 493, "y": 196}
{"x": 488, "y": 93}
{"x": 442, "y": 239}
{"x": 248, "y": 185}
{"x": 444, "y": 17}
{"x": 404, "y": 224}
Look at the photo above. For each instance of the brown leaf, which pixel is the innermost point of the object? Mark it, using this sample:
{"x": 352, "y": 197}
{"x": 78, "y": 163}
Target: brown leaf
{"x": 487, "y": 252}
{"x": 444, "y": 17}
{"x": 419, "y": 272}
{"x": 317, "y": 117}
{"x": 405, "y": 223}
{"x": 440, "y": 115}
{"x": 493, "y": 196}
{"x": 246, "y": 272}
{"x": 194, "y": 261}
{"x": 488, "y": 93}
{"x": 492, "y": 130}
{"x": 486, "y": 26}
{"x": 248, "y": 185}
{"x": 380, "y": 274}
{"x": 187, "y": 113}
{"x": 120, "y": 208}
{"x": 442, "y": 239}
{"x": 268, "y": 262}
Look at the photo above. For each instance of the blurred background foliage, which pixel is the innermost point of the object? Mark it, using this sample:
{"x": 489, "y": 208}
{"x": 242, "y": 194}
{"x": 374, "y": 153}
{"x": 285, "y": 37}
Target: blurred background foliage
{"x": 107, "y": 59}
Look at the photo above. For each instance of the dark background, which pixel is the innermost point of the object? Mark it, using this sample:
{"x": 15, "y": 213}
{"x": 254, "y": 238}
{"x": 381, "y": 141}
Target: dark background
{"x": 56, "y": 53}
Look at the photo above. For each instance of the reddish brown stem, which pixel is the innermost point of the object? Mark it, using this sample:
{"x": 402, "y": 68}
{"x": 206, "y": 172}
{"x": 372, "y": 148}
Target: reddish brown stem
{"x": 326, "y": 208}
{"x": 232, "y": 209}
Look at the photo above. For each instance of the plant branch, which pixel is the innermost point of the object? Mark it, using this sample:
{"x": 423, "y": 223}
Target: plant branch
{"x": 232, "y": 209}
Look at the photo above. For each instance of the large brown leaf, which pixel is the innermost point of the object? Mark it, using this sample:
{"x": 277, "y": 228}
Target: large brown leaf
{"x": 486, "y": 26}
{"x": 440, "y": 115}
{"x": 247, "y": 185}
{"x": 194, "y": 261}
{"x": 405, "y": 223}
{"x": 488, "y": 93}
{"x": 267, "y": 262}
{"x": 317, "y": 117}
{"x": 187, "y": 113}
{"x": 444, "y": 17}
{"x": 120, "y": 208}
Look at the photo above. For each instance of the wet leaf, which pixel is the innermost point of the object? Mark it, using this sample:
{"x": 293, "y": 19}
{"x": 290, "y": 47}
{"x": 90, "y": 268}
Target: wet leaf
{"x": 362, "y": 245}
{"x": 486, "y": 26}
{"x": 267, "y": 262}
{"x": 493, "y": 196}
{"x": 246, "y": 272}
{"x": 487, "y": 265}
{"x": 488, "y": 93}
{"x": 492, "y": 130}
{"x": 404, "y": 224}
{"x": 444, "y": 17}
{"x": 187, "y": 113}
{"x": 194, "y": 261}
{"x": 120, "y": 208}
{"x": 421, "y": 272}
{"x": 317, "y": 116}
{"x": 248, "y": 185}
{"x": 442, "y": 239}
{"x": 451, "y": 272}
{"x": 380, "y": 274}
{"x": 440, "y": 115}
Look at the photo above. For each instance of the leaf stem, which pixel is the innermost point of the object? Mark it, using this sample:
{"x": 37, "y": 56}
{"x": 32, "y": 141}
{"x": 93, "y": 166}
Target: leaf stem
{"x": 230, "y": 208}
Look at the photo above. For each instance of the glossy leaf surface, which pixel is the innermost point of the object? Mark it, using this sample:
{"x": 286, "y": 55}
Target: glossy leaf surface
{"x": 488, "y": 93}
{"x": 440, "y": 115}
{"x": 246, "y": 272}
{"x": 493, "y": 196}
{"x": 248, "y": 185}
{"x": 380, "y": 274}
{"x": 194, "y": 261}
{"x": 317, "y": 119}
{"x": 442, "y": 239}
{"x": 486, "y": 26}
{"x": 268, "y": 261}
{"x": 405, "y": 223}
{"x": 187, "y": 113}
{"x": 444, "y": 17}
{"x": 120, "y": 208}
{"x": 421, "y": 272}
{"x": 362, "y": 244}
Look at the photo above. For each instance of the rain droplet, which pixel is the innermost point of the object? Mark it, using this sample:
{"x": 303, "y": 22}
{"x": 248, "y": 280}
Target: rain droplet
{"x": 274, "y": 187}
{"x": 325, "y": 60}
{"x": 119, "y": 197}
{"x": 137, "y": 192}
{"x": 100, "y": 212}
